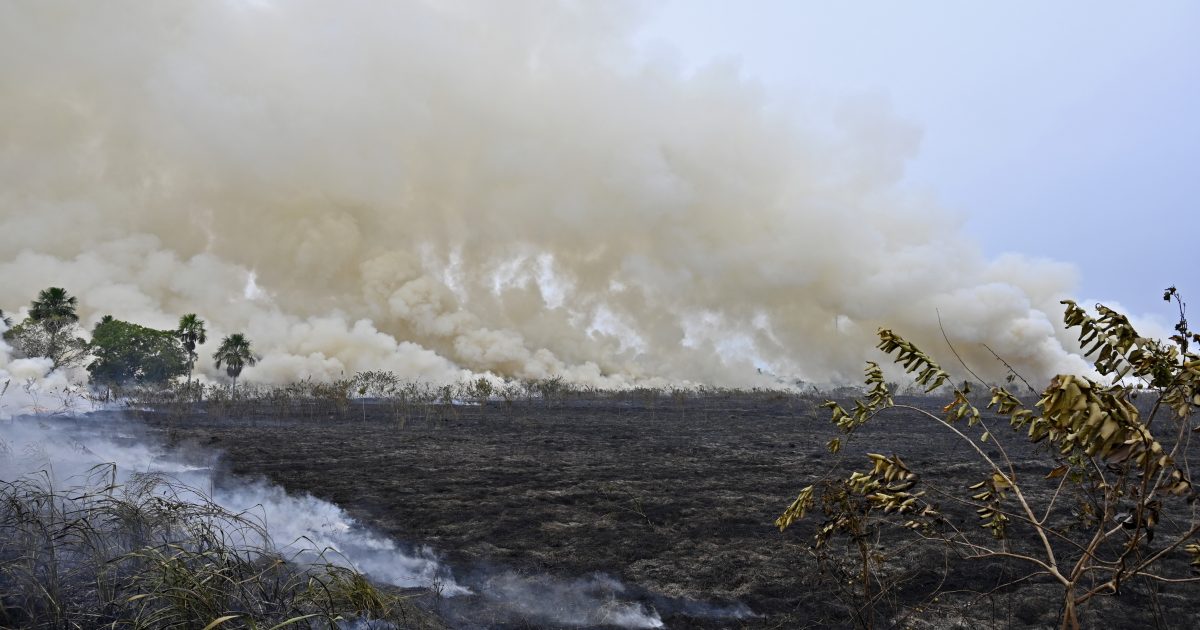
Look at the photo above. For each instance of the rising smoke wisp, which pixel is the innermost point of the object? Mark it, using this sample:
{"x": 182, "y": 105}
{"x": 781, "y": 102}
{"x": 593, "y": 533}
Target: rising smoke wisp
{"x": 64, "y": 453}
{"x": 444, "y": 187}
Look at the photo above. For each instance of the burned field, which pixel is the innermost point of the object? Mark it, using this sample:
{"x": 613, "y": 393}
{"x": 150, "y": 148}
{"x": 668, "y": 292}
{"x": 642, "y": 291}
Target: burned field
{"x": 669, "y": 502}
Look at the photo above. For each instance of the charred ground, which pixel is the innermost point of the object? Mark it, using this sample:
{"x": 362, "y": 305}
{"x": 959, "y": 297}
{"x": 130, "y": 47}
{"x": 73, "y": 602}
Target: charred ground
{"x": 675, "y": 497}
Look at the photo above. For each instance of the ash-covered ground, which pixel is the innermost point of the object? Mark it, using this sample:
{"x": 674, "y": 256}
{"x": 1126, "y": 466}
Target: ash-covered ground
{"x": 665, "y": 502}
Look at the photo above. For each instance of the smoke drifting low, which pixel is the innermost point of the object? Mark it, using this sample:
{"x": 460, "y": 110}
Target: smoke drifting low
{"x": 443, "y": 188}
{"x": 64, "y": 453}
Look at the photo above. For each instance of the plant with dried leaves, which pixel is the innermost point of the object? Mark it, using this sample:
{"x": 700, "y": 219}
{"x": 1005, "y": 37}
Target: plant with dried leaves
{"x": 1133, "y": 520}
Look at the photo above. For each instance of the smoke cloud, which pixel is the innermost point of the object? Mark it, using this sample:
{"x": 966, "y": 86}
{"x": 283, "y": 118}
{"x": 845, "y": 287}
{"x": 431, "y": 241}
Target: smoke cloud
{"x": 446, "y": 188}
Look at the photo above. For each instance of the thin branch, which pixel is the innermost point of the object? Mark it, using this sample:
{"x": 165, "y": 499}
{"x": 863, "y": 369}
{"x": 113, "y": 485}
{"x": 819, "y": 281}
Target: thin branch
{"x": 1022, "y": 518}
{"x": 1049, "y": 570}
{"x": 1053, "y": 498}
{"x": 1053, "y": 565}
{"x": 1159, "y": 578}
{"x": 1011, "y": 369}
{"x": 956, "y": 355}
{"x": 1111, "y": 584}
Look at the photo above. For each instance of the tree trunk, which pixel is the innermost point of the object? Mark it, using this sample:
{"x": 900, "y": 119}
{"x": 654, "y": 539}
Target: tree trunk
{"x": 1070, "y": 618}
{"x": 868, "y": 605}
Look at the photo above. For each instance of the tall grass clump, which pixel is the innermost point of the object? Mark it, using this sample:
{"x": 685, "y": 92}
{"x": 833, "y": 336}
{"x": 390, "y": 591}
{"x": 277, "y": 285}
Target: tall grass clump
{"x": 152, "y": 553}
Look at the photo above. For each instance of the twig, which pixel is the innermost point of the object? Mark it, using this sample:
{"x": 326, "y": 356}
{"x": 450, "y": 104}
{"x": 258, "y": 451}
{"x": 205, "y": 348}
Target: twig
{"x": 955, "y": 351}
{"x": 1011, "y": 369}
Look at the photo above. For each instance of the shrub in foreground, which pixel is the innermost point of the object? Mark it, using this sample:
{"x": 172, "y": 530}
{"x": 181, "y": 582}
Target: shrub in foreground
{"x": 1111, "y": 507}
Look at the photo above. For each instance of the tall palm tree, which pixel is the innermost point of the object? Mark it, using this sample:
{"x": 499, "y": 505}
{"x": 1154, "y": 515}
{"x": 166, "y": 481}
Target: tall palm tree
{"x": 54, "y": 308}
{"x": 53, "y": 315}
{"x": 236, "y": 354}
{"x": 191, "y": 333}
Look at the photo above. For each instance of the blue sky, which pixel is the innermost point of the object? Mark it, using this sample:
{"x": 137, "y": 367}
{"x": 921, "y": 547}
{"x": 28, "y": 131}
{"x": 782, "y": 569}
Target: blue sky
{"x": 1067, "y": 130}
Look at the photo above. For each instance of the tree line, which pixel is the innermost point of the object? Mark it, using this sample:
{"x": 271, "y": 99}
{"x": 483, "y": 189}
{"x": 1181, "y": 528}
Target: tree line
{"x": 120, "y": 352}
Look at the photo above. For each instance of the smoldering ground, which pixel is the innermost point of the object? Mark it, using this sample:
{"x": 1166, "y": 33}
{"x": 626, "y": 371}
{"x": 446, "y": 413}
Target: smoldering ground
{"x": 66, "y": 453}
{"x": 676, "y": 499}
{"x": 446, "y": 188}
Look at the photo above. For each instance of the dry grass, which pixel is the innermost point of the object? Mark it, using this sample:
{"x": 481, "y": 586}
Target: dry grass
{"x": 151, "y": 553}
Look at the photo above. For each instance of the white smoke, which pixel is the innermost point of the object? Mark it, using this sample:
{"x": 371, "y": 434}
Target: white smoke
{"x": 33, "y": 386}
{"x": 301, "y": 527}
{"x": 584, "y": 602}
{"x": 65, "y": 451}
{"x": 444, "y": 186}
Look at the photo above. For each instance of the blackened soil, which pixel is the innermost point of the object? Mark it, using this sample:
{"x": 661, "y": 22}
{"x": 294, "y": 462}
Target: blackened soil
{"x": 676, "y": 498}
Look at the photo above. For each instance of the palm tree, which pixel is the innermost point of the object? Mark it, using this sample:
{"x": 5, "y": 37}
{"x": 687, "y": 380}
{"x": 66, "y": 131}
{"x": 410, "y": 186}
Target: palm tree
{"x": 236, "y": 354}
{"x": 50, "y": 330}
{"x": 54, "y": 308}
{"x": 190, "y": 333}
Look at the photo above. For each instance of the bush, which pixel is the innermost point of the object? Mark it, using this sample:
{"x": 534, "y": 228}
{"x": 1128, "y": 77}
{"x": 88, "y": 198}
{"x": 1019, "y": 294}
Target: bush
{"x": 1131, "y": 520}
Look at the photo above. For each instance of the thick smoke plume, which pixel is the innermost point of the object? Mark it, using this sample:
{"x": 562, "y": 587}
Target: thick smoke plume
{"x": 446, "y": 187}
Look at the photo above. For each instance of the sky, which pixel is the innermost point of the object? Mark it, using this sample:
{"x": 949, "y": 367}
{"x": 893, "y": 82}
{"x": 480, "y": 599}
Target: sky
{"x": 1065, "y": 130}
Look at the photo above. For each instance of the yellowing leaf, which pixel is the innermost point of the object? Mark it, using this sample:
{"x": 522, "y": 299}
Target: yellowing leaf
{"x": 1058, "y": 472}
